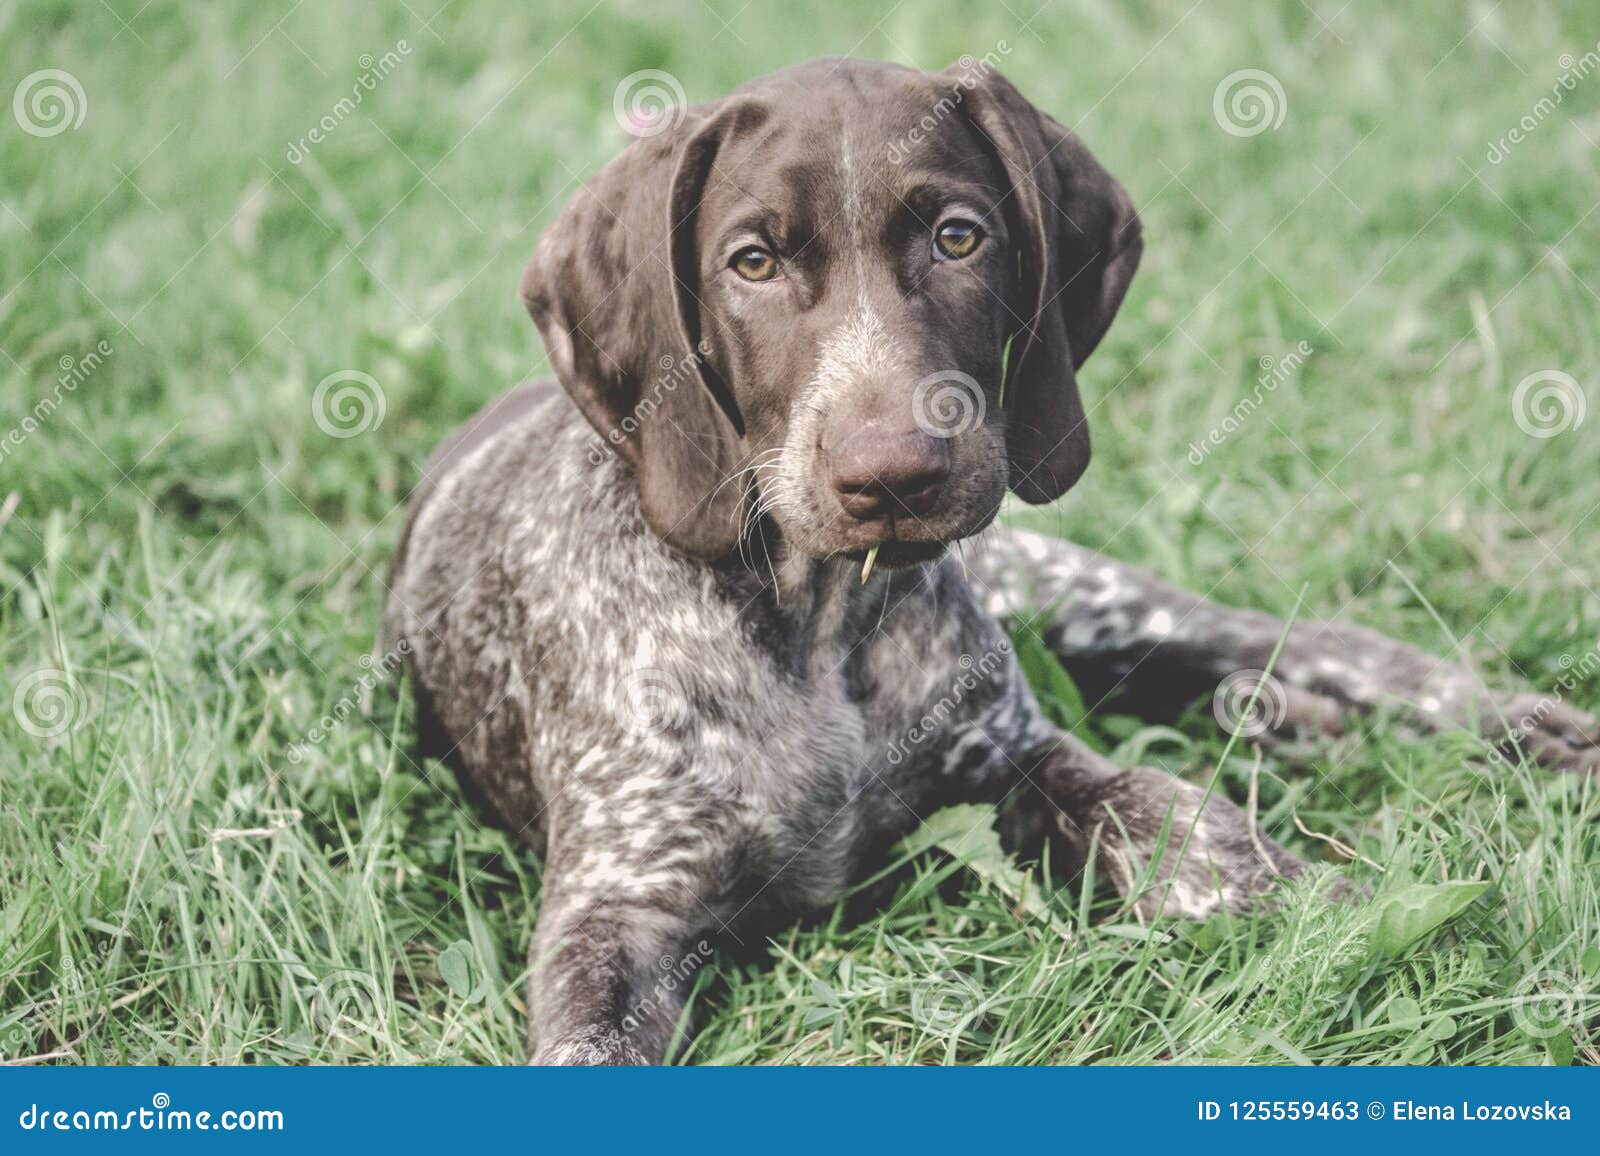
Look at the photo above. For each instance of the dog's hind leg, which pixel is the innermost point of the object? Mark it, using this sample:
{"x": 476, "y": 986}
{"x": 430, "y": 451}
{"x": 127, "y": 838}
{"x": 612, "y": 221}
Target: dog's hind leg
{"x": 1118, "y": 629}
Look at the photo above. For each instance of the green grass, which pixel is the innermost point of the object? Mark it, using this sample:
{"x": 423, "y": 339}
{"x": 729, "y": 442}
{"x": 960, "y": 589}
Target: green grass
{"x": 205, "y": 564}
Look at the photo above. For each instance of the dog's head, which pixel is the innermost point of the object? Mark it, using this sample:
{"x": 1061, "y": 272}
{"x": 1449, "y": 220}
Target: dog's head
{"x": 850, "y": 297}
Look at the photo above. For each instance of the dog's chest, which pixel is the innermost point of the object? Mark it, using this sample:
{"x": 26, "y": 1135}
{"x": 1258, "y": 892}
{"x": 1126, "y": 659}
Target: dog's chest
{"x": 870, "y": 734}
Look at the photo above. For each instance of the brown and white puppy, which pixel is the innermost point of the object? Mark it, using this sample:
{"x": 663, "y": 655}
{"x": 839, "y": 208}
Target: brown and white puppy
{"x": 831, "y": 318}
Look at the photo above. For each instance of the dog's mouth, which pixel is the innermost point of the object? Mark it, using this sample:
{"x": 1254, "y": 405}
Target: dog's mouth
{"x": 897, "y": 543}
{"x": 897, "y": 555}
{"x": 901, "y": 545}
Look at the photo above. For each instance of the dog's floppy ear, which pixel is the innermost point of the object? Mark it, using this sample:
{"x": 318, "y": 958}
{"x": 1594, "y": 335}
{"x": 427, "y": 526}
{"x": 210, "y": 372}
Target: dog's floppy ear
{"x": 613, "y": 287}
{"x": 1078, "y": 244}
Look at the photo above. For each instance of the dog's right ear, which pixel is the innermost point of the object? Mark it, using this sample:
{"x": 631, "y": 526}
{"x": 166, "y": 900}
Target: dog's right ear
{"x": 614, "y": 289}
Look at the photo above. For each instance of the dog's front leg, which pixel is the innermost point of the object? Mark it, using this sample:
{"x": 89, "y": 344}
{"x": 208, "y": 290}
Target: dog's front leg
{"x": 1168, "y": 846}
{"x": 1117, "y": 627}
{"x": 610, "y": 968}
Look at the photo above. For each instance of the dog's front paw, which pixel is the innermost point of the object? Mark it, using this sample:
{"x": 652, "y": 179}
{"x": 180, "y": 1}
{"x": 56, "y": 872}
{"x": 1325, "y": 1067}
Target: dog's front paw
{"x": 1548, "y": 731}
{"x": 591, "y": 1047}
{"x": 1542, "y": 727}
{"x": 1212, "y": 857}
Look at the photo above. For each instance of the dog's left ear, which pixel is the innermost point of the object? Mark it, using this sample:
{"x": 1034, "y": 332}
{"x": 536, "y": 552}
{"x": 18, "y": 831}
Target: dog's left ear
{"x": 1077, "y": 243}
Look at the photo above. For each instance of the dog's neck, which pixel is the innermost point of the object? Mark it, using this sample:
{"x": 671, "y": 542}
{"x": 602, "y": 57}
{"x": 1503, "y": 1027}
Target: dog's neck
{"x": 815, "y": 610}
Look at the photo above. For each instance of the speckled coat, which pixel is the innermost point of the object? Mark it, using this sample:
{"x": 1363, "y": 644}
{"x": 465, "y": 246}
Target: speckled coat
{"x": 636, "y": 619}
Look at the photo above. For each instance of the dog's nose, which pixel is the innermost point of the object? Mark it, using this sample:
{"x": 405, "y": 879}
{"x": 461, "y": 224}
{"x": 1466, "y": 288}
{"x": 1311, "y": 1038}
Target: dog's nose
{"x": 882, "y": 474}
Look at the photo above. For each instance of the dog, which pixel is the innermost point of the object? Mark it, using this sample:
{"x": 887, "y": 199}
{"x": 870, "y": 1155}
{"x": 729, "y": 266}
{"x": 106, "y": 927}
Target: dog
{"x": 688, "y": 619}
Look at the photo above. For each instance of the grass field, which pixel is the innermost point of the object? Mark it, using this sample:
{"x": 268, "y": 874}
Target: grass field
{"x": 210, "y": 854}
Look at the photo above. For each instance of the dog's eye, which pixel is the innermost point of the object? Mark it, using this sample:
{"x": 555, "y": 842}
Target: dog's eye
{"x": 754, "y": 263}
{"x": 954, "y": 240}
